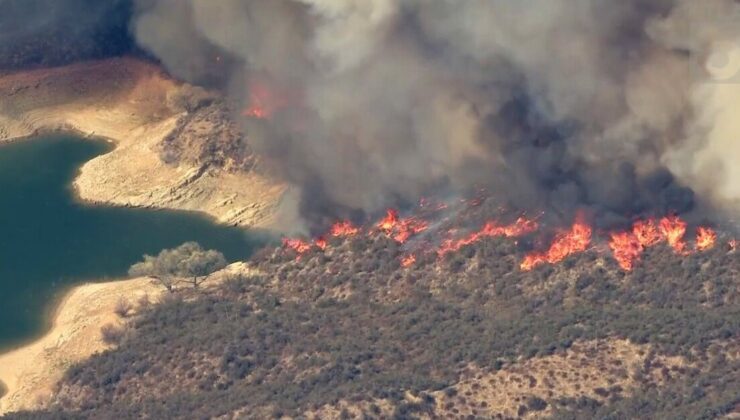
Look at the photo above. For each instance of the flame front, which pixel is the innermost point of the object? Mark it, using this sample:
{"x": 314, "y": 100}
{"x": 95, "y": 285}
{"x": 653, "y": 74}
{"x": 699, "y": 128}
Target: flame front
{"x": 344, "y": 228}
{"x": 401, "y": 229}
{"x": 565, "y": 244}
{"x": 674, "y": 229}
{"x": 647, "y": 232}
{"x": 522, "y": 226}
{"x": 321, "y": 243}
{"x": 706, "y": 238}
{"x": 297, "y": 245}
{"x": 627, "y": 248}
{"x": 389, "y": 221}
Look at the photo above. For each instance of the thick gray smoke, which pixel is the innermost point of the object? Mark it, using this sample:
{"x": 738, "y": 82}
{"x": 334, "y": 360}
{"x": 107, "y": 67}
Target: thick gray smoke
{"x": 550, "y": 104}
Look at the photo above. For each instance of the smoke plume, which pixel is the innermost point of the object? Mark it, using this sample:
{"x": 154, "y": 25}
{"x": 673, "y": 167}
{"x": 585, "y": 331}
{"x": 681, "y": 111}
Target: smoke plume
{"x": 623, "y": 108}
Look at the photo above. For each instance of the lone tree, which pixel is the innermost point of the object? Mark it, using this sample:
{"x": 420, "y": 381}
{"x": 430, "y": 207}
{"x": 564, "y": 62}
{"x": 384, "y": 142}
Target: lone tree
{"x": 188, "y": 263}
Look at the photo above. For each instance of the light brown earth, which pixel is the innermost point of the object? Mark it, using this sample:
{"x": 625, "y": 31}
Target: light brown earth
{"x": 130, "y": 102}
{"x": 598, "y": 369}
{"x": 30, "y": 372}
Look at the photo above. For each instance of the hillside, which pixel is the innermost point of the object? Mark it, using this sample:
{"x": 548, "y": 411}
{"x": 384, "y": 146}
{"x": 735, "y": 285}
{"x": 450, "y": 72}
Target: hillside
{"x": 349, "y": 332}
{"x": 176, "y": 146}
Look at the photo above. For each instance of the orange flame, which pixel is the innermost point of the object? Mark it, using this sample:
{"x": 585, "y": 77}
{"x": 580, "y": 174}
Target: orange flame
{"x": 705, "y": 238}
{"x": 344, "y": 228}
{"x": 266, "y": 97}
{"x": 408, "y": 227}
{"x": 522, "y": 226}
{"x": 401, "y": 229}
{"x": 674, "y": 229}
{"x": 255, "y": 111}
{"x": 298, "y": 245}
{"x": 627, "y": 248}
{"x": 647, "y": 232}
{"x": 321, "y": 243}
{"x": 259, "y": 99}
{"x": 389, "y": 221}
{"x": 408, "y": 260}
{"x": 565, "y": 244}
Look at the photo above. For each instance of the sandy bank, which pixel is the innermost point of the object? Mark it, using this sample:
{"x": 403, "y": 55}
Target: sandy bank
{"x": 129, "y": 102}
{"x": 30, "y": 372}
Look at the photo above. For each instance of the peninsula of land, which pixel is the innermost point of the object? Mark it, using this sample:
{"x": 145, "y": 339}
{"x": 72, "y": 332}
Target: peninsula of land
{"x": 137, "y": 106}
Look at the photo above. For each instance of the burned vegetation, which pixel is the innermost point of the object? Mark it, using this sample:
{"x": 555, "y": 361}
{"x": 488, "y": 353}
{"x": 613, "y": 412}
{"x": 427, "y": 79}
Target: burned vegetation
{"x": 346, "y": 327}
{"x": 205, "y": 135}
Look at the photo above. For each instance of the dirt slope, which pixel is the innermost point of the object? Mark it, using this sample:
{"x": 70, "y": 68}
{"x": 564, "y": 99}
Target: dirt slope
{"x": 133, "y": 104}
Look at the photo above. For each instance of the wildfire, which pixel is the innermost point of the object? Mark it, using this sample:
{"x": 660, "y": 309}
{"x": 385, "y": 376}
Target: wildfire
{"x": 627, "y": 248}
{"x": 255, "y": 111}
{"x": 321, "y": 243}
{"x": 389, "y": 221}
{"x": 565, "y": 244}
{"x": 647, "y": 232}
{"x": 522, "y": 226}
{"x": 401, "y": 229}
{"x": 705, "y": 238}
{"x": 266, "y": 97}
{"x": 344, "y": 228}
{"x": 259, "y": 102}
{"x": 298, "y": 245}
{"x": 674, "y": 229}
{"x": 408, "y": 260}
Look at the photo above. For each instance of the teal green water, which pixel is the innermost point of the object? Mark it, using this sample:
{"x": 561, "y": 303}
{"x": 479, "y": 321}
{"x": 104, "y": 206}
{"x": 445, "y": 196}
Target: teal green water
{"x": 49, "y": 241}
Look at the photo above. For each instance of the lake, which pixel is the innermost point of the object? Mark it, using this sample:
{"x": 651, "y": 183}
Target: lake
{"x": 49, "y": 241}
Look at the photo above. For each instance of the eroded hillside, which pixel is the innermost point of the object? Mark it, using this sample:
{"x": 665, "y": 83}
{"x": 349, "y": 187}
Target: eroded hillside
{"x": 176, "y": 146}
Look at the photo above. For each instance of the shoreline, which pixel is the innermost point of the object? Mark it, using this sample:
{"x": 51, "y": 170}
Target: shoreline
{"x": 29, "y": 371}
{"x": 125, "y": 102}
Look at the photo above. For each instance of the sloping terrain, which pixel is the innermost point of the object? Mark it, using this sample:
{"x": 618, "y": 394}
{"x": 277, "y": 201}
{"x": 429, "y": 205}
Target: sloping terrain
{"x": 31, "y": 371}
{"x": 175, "y": 145}
{"x": 349, "y": 332}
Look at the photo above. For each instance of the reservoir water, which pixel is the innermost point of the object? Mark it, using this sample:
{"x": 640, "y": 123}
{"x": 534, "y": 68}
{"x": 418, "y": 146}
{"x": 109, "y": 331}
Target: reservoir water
{"x": 50, "y": 241}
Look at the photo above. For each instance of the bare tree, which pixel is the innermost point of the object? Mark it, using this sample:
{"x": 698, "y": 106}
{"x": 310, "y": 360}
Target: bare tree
{"x": 188, "y": 263}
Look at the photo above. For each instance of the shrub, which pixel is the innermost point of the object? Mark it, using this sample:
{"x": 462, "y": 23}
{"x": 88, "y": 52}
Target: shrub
{"x": 111, "y": 334}
{"x": 123, "y": 307}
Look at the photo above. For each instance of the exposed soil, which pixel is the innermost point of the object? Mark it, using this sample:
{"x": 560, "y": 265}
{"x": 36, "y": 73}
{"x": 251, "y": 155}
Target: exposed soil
{"x": 143, "y": 111}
